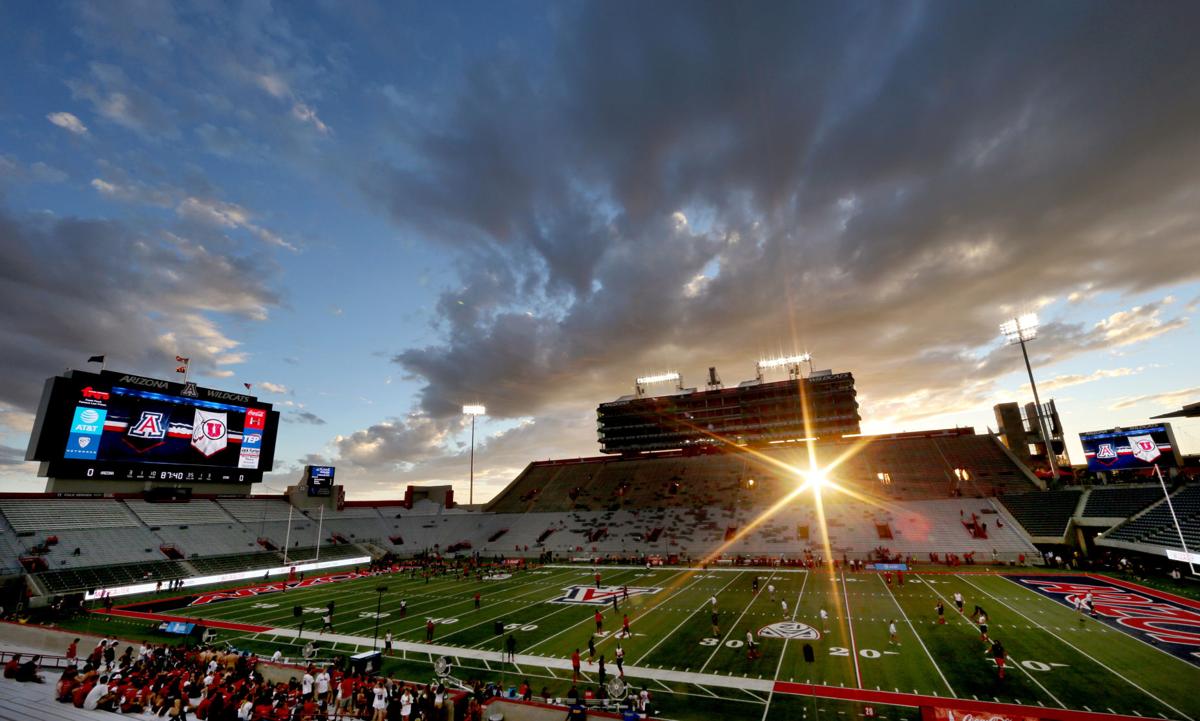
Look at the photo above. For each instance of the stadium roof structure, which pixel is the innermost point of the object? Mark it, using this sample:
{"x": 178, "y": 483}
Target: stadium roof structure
{"x": 1191, "y": 410}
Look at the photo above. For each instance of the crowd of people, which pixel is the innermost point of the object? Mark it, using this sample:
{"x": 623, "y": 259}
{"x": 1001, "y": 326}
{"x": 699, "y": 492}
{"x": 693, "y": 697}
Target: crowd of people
{"x": 178, "y": 683}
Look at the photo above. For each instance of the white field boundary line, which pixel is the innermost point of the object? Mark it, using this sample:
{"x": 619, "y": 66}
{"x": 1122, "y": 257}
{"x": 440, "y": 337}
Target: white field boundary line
{"x": 1104, "y": 625}
{"x": 685, "y": 618}
{"x": 1081, "y": 651}
{"x": 962, "y": 619}
{"x": 850, "y": 625}
{"x": 917, "y": 635}
{"x": 588, "y": 618}
{"x": 560, "y": 609}
{"x": 551, "y": 662}
{"x": 779, "y": 666}
{"x": 721, "y": 644}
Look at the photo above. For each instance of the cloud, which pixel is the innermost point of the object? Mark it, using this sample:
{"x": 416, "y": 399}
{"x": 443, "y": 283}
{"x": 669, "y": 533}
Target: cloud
{"x": 307, "y": 114}
{"x": 270, "y": 387}
{"x": 396, "y": 442}
{"x": 115, "y": 97}
{"x": 591, "y": 192}
{"x": 1166, "y": 399}
{"x": 36, "y": 172}
{"x": 68, "y": 122}
{"x": 230, "y": 216}
{"x": 77, "y": 287}
{"x": 307, "y": 417}
{"x": 133, "y": 192}
{"x": 1075, "y": 379}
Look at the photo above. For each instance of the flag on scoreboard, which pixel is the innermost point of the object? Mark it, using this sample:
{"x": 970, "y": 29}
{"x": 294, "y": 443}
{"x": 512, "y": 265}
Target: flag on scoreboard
{"x": 96, "y": 359}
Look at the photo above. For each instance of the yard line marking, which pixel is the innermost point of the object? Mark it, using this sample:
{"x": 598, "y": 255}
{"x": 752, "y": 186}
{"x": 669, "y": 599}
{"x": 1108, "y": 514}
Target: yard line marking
{"x": 918, "y": 636}
{"x": 1093, "y": 658}
{"x": 705, "y": 690}
{"x": 721, "y": 644}
{"x": 850, "y": 625}
{"x": 486, "y": 621}
{"x": 588, "y": 618}
{"x": 685, "y": 618}
{"x": 779, "y": 666}
{"x": 1015, "y": 662}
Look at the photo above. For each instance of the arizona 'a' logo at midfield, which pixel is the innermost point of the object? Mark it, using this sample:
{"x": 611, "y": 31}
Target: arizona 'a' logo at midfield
{"x": 592, "y": 596}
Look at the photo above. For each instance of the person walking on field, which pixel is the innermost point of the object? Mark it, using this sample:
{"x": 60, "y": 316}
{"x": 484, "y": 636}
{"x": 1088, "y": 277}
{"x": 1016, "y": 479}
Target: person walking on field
{"x": 575, "y": 667}
{"x": 999, "y": 655}
{"x": 941, "y": 613}
{"x": 893, "y": 638}
{"x": 599, "y": 622}
{"x": 983, "y": 628}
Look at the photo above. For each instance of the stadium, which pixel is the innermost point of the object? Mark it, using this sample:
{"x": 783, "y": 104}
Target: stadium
{"x": 738, "y": 552}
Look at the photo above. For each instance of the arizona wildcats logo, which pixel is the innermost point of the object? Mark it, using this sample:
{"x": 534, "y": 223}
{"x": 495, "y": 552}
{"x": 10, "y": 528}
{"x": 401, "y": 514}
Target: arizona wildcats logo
{"x": 603, "y": 596}
{"x": 791, "y": 630}
{"x": 150, "y": 425}
{"x": 1106, "y": 453}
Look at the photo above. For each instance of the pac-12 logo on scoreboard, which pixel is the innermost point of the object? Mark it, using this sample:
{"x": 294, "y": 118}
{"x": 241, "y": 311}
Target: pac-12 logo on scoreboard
{"x": 592, "y": 596}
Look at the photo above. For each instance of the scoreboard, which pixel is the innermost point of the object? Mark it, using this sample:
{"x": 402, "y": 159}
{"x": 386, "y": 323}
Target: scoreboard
{"x": 1130, "y": 448}
{"x": 320, "y": 480}
{"x": 118, "y": 426}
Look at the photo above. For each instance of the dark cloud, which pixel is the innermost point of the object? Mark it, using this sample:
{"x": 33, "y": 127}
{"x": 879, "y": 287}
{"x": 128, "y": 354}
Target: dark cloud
{"x": 307, "y": 417}
{"x": 10, "y": 456}
{"x": 688, "y": 184}
{"x": 75, "y": 287}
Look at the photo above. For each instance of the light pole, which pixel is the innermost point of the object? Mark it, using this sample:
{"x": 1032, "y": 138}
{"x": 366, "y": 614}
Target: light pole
{"x": 473, "y": 411}
{"x": 378, "y": 604}
{"x": 1019, "y": 331}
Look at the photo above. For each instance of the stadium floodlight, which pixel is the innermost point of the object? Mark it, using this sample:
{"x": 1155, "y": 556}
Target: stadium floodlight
{"x": 816, "y": 478}
{"x": 791, "y": 362}
{"x": 660, "y": 378}
{"x": 641, "y": 383}
{"x": 1019, "y": 331}
{"x": 473, "y": 410}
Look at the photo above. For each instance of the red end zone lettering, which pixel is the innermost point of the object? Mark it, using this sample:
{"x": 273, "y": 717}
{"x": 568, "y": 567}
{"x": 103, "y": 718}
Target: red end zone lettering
{"x": 273, "y": 588}
{"x": 1153, "y": 617}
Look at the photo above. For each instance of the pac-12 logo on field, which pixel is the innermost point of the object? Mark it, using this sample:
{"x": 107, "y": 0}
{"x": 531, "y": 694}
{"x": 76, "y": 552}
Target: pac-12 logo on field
{"x": 592, "y": 596}
{"x": 793, "y": 630}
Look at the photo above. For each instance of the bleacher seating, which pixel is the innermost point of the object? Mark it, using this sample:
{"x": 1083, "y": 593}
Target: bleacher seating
{"x": 1120, "y": 501}
{"x": 1044, "y": 513}
{"x": 26, "y": 515}
{"x": 177, "y": 514}
{"x": 212, "y": 565}
{"x": 80, "y": 579}
{"x": 1155, "y": 526}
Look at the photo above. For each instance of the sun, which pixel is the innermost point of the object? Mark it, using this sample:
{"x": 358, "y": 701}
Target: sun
{"x": 816, "y": 478}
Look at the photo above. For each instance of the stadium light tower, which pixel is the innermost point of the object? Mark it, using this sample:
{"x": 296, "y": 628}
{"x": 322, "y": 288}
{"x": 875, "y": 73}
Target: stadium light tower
{"x": 792, "y": 363}
{"x": 475, "y": 410}
{"x": 1021, "y": 330}
{"x": 641, "y": 383}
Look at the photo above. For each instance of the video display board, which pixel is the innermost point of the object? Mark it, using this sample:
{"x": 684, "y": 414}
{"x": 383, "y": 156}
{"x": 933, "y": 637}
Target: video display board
{"x": 117, "y": 426}
{"x": 320, "y": 480}
{"x": 1130, "y": 448}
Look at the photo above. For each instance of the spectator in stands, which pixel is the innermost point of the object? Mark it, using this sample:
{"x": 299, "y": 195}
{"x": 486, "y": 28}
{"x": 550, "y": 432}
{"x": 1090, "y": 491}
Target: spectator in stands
{"x": 92, "y": 701}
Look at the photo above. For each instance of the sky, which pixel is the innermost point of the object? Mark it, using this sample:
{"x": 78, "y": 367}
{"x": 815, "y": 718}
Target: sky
{"x": 376, "y": 212}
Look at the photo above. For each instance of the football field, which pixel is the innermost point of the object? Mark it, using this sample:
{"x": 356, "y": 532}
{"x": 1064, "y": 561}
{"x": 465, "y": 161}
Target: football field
{"x": 1058, "y": 659}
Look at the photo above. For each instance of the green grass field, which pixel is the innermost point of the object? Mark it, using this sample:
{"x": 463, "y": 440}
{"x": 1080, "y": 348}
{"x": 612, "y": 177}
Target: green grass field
{"x": 1058, "y": 659}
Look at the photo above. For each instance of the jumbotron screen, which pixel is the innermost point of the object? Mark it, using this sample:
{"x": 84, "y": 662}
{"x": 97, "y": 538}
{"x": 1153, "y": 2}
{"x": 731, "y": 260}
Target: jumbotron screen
{"x": 117, "y": 426}
{"x": 1130, "y": 448}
